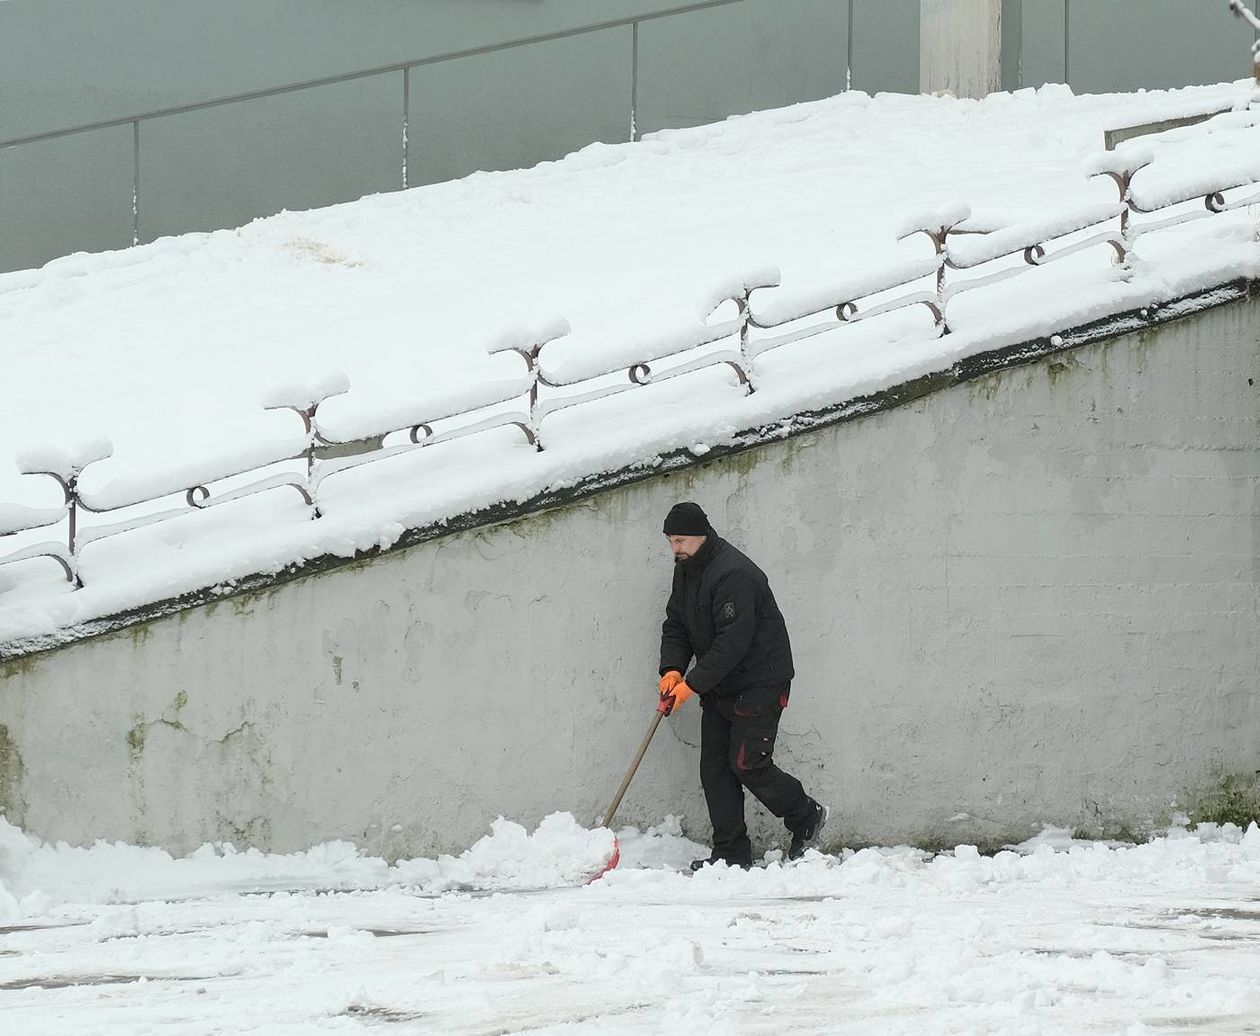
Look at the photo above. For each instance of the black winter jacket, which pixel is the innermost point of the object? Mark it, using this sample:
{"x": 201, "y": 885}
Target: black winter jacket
{"x": 721, "y": 611}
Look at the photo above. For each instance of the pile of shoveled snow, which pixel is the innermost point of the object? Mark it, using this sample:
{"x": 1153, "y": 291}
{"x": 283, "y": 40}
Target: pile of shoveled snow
{"x": 35, "y": 874}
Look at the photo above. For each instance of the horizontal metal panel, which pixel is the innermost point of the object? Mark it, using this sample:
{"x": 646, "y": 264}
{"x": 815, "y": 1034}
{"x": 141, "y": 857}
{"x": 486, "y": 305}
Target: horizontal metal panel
{"x": 222, "y": 167}
{"x": 885, "y": 46}
{"x": 1044, "y": 40}
{"x": 702, "y": 66}
{"x": 62, "y": 196}
{"x": 518, "y": 107}
{"x": 1130, "y": 44}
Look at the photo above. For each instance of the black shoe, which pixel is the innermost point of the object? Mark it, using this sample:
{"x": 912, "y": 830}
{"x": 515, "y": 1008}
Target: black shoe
{"x": 808, "y": 836}
{"x": 715, "y": 858}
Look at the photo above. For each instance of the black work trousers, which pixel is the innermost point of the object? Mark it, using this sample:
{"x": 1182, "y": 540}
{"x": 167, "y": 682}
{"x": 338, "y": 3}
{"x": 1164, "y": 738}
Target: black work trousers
{"x": 736, "y": 752}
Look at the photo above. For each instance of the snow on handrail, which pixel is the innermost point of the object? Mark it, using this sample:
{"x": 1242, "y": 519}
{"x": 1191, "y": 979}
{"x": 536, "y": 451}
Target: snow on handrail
{"x": 641, "y": 374}
{"x": 787, "y": 307}
{"x": 18, "y": 518}
{"x": 139, "y": 521}
{"x": 933, "y": 221}
{"x": 975, "y": 250}
{"x": 339, "y": 463}
{"x": 419, "y": 414}
{"x": 585, "y": 364}
{"x": 131, "y": 490}
{"x": 1150, "y": 194}
{"x": 1124, "y": 161}
{"x": 302, "y": 395}
{"x": 55, "y": 551}
{"x": 63, "y": 464}
{"x": 527, "y": 337}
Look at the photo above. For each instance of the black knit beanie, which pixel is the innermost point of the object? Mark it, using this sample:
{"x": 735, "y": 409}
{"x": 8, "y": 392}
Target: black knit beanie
{"x": 687, "y": 519}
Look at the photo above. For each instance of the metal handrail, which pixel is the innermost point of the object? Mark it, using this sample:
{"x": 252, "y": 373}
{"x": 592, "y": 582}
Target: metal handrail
{"x": 735, "y": 344}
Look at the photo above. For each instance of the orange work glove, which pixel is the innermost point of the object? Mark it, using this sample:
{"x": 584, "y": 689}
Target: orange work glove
{"x": 670, "y": 680}
{"x": 672, "y": 699}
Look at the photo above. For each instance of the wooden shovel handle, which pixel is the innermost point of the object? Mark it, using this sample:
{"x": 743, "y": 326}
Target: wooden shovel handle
{"x": 638, "y": 758}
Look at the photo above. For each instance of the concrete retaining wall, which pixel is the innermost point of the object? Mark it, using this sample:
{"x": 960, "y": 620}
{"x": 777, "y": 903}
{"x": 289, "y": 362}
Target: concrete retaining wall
{"x": 1030, "y": 598}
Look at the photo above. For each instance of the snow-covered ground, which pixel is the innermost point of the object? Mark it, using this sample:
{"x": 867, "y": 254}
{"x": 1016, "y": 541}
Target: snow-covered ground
{"x": 1055, "y": 937}
{"x": 169, "y": 350}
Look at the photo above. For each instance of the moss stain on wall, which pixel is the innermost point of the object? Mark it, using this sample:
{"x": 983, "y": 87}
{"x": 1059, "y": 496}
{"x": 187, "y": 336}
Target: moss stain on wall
{"x": 12, "y": 773}
{"x": 1232, "y": 798}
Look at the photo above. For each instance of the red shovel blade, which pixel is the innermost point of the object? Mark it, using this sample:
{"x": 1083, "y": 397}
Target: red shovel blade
{"x": 613, "y": 860}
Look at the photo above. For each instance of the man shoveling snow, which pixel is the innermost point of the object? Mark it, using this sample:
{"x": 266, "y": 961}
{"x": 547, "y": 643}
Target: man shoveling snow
{"x": 722, "y": 613}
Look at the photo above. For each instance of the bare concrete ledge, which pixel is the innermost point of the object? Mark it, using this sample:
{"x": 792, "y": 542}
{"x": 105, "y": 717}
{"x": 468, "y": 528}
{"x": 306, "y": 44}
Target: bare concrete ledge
{"x": 749, "y": 439}
{"x": 1116, "y": 136}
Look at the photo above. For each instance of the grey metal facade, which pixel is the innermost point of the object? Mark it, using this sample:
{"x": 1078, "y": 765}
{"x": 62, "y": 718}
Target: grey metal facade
{"x": 209, "y": 115}
{"x": 1100, "y": 46}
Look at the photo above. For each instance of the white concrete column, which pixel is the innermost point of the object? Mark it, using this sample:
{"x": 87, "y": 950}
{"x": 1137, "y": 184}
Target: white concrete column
{"x": 960, "y": 47}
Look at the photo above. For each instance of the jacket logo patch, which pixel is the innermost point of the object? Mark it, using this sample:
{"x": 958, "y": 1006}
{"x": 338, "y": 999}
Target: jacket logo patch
{"x": 728, "y": 610}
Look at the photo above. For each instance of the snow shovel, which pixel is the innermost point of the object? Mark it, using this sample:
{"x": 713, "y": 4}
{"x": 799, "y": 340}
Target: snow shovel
{"x": 611, "y": 811}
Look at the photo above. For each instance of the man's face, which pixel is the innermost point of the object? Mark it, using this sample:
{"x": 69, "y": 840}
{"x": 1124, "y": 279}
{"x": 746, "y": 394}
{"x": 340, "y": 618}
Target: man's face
{"x": 685, "y": 547}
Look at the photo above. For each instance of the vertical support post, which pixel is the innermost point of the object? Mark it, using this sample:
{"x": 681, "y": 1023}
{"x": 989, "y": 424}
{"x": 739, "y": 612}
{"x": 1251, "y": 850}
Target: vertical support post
{"x": 72, "y": 508}
{"x": 940, "y": 241}
{"x": 634, "y": 81}
{"x": 135, "y": 182}
{"x": 530, "y": 356}
{"x": 938, "y": 234}
{"x": 1124, "y": 182}
{"x": 308, "y": 415}
{"x": 744, "y": 304}
{"x": 312, "y": 435}
{"x": 406, "y": 121}
{"x": 534, "y": 419}
{"x": 848, "y": 58}
{"x": 942, "y": 300}
{"x": 1067, "y": 42}
{"x": 71, "y": 489}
